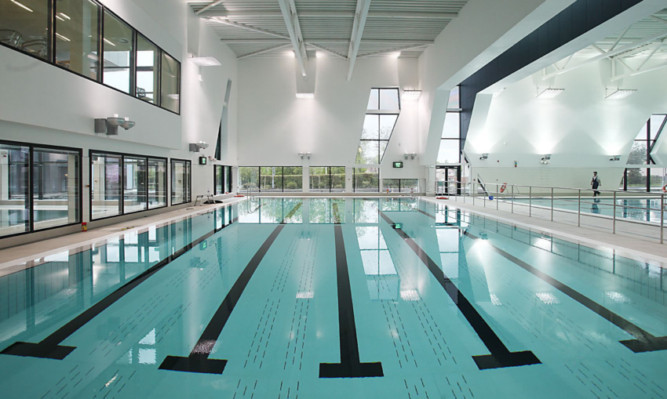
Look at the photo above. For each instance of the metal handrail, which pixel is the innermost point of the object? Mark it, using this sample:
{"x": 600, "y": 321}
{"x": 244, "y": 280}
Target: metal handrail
{"x": 507, "y": 193}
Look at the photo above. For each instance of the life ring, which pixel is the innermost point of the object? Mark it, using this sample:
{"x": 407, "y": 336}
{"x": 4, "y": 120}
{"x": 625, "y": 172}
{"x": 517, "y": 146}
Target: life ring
{"x": 504, "y": 186}
{"x": 664, "y": 188}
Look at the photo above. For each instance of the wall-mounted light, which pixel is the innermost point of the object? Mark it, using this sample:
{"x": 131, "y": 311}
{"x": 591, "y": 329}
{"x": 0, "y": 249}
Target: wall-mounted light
{"x": 545, "y": 159}
{"x": 549, "y": 92}
{"x": 304, "y": 155}
{"x": 614, "y": 158}
{"x": 484, "y": 156}
{"x": 110, "y": 124}
{"x": 411, "y": 95}
{"x": 195, "y": 147}
{"x": 305, "y": 96}
{"x": 410, "y": 156}
{"x": 617, "y": 94}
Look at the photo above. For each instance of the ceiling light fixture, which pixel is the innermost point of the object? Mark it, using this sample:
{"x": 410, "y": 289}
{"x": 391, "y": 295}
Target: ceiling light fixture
{"x": 305, "y": 95}
{"x": 549, "y": 92}
{"x": 618, "y": 94}
{"x": 22, "y": 6}
{"x": 205, "y": 61}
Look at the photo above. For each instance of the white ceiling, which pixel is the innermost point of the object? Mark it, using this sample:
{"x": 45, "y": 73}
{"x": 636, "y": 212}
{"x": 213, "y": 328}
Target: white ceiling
{"x": 254, "y": 27}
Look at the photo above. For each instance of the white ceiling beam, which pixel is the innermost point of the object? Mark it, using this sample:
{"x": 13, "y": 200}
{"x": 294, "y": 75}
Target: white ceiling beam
{"x": 280, "y": 38}
{"x": 206, "y": 8}
{"x": 249, "y": 28}
{"x": 327, "y": 14}
{"x": 288, "y": 9}
{"x": 610, "y": 54}
{"x": 264, "y": 51}
{"x": 358, "y": 25}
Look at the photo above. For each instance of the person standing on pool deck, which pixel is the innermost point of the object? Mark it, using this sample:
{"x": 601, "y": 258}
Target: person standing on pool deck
{"x": 595, "y": 183}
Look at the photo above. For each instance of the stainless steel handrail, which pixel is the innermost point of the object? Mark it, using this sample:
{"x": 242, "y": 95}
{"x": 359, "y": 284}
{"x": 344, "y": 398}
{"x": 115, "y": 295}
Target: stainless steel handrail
{"x": 507, "y": 193}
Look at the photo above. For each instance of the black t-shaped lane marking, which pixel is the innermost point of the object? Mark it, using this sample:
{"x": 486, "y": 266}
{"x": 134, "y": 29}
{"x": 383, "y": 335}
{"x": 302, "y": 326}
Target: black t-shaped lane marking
{"x": 50, "y": 347}
{"x": 350, "y": 365}
{"x": 643, "y": 342}
{"x": 198, "y": 361}
{"x": 500, "y": 356}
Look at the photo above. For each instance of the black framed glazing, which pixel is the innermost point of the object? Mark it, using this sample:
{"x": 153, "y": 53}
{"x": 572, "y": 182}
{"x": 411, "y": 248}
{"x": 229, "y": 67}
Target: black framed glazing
{"x": 184, "y": 184}
{"x": 47, "y": 47}
{"x": 149, "y": 176}
{"x": 34, "y": 189}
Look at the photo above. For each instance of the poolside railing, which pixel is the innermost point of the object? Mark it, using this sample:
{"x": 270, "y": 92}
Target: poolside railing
{"x": 628, "y": 212}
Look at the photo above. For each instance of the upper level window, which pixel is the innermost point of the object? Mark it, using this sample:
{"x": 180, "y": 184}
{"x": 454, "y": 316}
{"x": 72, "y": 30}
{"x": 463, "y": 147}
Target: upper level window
{"x": 381, "y": 116}
{"x": 119, "y": 57}
{"x": 117, "y": 53}
{"x": 77, "y": 37}
{"x": 24, "y": 25}
{"x": 450, "y": 143}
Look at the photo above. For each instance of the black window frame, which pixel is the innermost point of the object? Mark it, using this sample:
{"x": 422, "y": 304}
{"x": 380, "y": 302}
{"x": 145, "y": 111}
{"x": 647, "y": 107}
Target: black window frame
{"x": 121, "y": 170}
{"x": 171, "y": 188}
{"x": 50, "y": 59}
{"x": 30, "y": 199}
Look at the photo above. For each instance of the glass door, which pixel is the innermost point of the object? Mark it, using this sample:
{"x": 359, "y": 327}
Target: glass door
{"x": 448, "y": 180}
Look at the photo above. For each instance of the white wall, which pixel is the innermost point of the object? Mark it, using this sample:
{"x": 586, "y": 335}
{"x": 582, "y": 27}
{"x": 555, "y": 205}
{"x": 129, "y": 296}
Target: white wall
{"x": 580, "y": 128}
{"x": 274, "y": 126}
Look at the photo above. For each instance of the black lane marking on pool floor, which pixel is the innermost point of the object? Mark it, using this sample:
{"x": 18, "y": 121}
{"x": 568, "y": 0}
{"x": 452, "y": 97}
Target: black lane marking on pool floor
{"x": 50, "y": 347}
{"x": 350, "y": 365}
{"x": 500, "y": 356}
{"x": 643, "y": 342}
{"x": 198, "y": 361}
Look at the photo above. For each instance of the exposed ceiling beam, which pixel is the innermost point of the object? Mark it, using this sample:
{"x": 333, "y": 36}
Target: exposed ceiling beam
{"x": 288, "y": 9}
{"x": 264, "y": 51}
{"x": 280, "y": 39}
{"x": 249, "y": 28}
{"x": 393, "y": 50}
{"x": 610, "y": 54}
{"x": 206, "y": 8}
{"x": 326, "y": 14}
{"x": 357, "y": 31}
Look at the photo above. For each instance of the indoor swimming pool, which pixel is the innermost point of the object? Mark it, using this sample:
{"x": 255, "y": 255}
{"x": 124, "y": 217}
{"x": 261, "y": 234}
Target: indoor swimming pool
{"x": 334, "y": 298}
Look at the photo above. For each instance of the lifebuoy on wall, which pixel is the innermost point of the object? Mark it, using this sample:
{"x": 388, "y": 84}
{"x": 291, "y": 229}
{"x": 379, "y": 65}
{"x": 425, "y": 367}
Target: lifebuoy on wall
{"x": 503, "y": 187}
{"x": 664, "y": 188}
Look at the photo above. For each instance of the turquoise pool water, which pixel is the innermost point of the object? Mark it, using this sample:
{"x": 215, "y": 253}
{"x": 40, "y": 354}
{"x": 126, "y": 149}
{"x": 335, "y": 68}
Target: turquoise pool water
{"x": 641, "y": 209}
{"x": 331, "y": 298}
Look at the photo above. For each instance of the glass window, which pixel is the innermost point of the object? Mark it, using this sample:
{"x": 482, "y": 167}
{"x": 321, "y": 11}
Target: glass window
{"x": 387, "y": 123}
{"x": 451, "y": 129}
{"x": 337, "y": 178}
{"x": 368, "y": 152}
{"x": 454, "y": 101}
{"x": 180, "y": 181}
{"x": 134, "y": 189}
{"x": 449, "y": 151}
{"x": 76, "y": 24}
{"x": 248, "y": 179}
{"x": 366, "y": 180}
{"x": 14, "y": 184}
{"x": 170, "y": 83}
{"x": 409, "y": 185}
{"x": 374, "y": 99}
{"x": 371, "y": 127}
{"x": 228, "y": 178}
{"x": 389, "y": 99}
{"x": 105, "y": 191}
{"x": 55, "y": 187}
{"x": 24, "y": 26}
{"x": 219, "y": 180}
{"x": 656, "y": 125}
{"x": 271, "y": 179}
{"x": 147, "y": 61}
{"x": 320, "y": 180}
{"x": 117, "y": 45}
{"x": 292, "y": 178}
{"x": 157, "y": 183}
{"x": 391, "y": 185}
